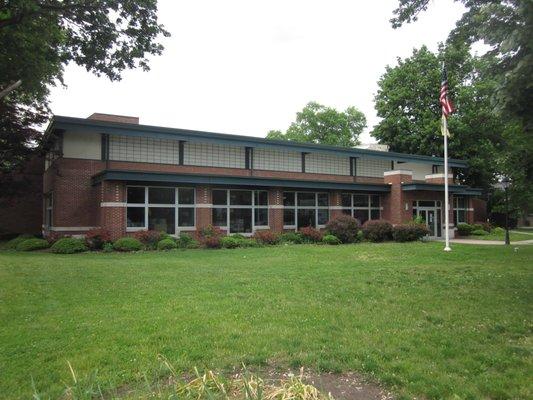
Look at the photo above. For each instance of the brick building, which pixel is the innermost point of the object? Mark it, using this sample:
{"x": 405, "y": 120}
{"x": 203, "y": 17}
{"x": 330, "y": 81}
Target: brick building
{"x": 110, "y": 172}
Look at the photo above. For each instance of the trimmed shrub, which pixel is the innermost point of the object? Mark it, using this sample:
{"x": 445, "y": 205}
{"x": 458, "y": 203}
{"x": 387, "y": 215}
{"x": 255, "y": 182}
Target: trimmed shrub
{"x": 409, "y": 232}
{"x": 127, "y": 244}
{"x": 166, "y": 244}
{"x": 310, "y": 234}
{"x": 266, "y": 237}
{"x": 229, "y": 242}
{"x": 210, "y": 237}
{"x": 68, "y": 245}
{"x": 477, "y": 226}
{"x": 237, "y": 236}
{"x": 184, "y": 241}
{"x": 331, "y": 239}
{"x": 13, "y": 243}
{"x": 487, "y": 226}
{"x": 498, "y": 231}
{"x": 212, "y": 242}
{"x": 377, "y": 230}
{"x": 148, "y": 238}
{"x": 344, "y": 227}
{"x": 32, "y": 244}
{"x": 464, "y": 229}
{"x": 53, "y": 237}
{"x": 107, "y": 247}
{"x": 290, "y": 237}
{"x": 480, "y": 232}
{"x": 95, "y": 238}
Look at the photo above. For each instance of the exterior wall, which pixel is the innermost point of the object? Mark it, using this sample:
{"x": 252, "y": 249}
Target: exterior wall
{"x": 139, "y": 149}
{"x": 372, "y": 167}
{"x": 213, "y": 155}
{"x": 327, "y": 164}
{"x": 274, "y": 160}
{"x": 419, "y": 170}
{"x": 84, "y": 145}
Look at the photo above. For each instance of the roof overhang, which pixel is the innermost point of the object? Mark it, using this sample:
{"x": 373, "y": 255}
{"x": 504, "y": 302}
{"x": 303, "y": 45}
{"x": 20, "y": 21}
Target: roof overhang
{"x": 236, "y": 181}
{"x": 435, "y": 187}
{"x": 115, "y": 128}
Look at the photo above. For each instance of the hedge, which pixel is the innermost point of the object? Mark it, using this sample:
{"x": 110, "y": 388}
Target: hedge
{"x": 32, "y": 244}
{"x": 69, "y": 245}
{"x": 127, "y": 244}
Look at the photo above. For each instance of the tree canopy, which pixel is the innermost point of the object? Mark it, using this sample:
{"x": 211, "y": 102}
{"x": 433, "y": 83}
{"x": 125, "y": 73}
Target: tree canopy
{"x": 325, "y": 125}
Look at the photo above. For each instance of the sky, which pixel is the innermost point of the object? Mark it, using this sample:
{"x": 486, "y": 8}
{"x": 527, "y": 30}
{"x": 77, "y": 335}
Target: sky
{"x": 246, "y": 67}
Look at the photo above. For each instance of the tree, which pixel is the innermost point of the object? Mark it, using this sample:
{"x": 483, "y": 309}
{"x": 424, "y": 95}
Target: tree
{"x": 38, "y": 38}
{"x": 325, "y": 125}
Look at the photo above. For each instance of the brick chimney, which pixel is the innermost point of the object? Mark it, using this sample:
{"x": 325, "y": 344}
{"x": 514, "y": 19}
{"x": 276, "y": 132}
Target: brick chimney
{"x": 124, "y": 119}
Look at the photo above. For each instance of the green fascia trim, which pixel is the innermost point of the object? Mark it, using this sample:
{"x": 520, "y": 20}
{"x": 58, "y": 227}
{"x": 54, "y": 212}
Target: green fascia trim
{"x": 85, "y": 125}
{"x": 166, "y": 178}
{"x": 456, "y": 189}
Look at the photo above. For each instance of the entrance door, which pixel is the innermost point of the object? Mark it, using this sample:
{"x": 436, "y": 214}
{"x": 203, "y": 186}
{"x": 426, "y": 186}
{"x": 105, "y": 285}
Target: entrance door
{"x": 432, "y": 218}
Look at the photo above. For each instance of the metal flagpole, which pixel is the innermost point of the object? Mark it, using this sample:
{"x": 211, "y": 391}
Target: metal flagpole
{"x": 446, "y": 212}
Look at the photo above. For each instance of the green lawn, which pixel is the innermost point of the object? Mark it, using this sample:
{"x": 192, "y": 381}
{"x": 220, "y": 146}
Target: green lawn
{"x": 514, "y": 236}
{"x": 423, "y": 322}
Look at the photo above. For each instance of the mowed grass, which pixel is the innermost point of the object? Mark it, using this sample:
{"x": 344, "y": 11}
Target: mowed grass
{"x": 513, "y": 236}
{"x": 422, "y": 322}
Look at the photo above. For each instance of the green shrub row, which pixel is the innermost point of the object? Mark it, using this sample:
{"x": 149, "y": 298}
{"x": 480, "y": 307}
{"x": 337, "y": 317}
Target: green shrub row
{"x": 478, "y": 229}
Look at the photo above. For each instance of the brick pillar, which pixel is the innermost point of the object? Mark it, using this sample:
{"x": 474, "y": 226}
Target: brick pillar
{"x": 394, "y": 204}
{"x": 204, "y": 203}
{"x": 335, "y": 204}
{"x": 439, "y": 179}
{"x": 113, "y": 208}
{"x": 275, "y": 213}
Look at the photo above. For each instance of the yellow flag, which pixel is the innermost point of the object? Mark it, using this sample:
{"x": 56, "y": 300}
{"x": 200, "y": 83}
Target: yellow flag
{"x": 444, "y": 127}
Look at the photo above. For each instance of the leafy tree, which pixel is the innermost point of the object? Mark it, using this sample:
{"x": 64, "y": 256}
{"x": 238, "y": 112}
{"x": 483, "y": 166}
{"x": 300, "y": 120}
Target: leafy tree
{"x": 38, "y": 38}
{"x": 325, "y": 125}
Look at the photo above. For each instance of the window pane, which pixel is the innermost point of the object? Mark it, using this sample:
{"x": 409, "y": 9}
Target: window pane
{"x": 323, "y": 216}
{"x": 288, "y": 217}
{"x": 161, "y": 219}
{"x": 347, "y": 211}
{"x": 135, "y": 217}
{"x": 240, "y": 197}
{"x": 261, "y": 198}
{"x": 135, "y": 195}
{"x": 360, "y": 200}
{"x": 306, "y": 199}
{"x": 185, "y": 216}
{"x": 240, "y": 220}
{"x": 461, "y": 216}
{"x": 288, "y": 199}
{"x": 186, "y": 196}
{"x": 220, "y": 198}
{"x": 161, "y": 195}
{"x": 426, "y": 203}
{"x": 374, "y": 214}
{"x": 323, "y": 199}
{"x": 306, "y": 218}
{"x": 261, "y": 216}
{"x": 220, "y": 216}
{"x": 346, "y": 200}
{"x": 461, "y": 202}
{"x": 374, "y": 201}
{"x": 361, "y": 215}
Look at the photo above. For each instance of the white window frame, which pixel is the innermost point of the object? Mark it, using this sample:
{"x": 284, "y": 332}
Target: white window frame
{"x": 253, "y": 207}
{"x": 177, "y": 229}
{"x": 48, "y": 207}
{"x": 296, "y": 207}
{"x": 456, "y": 209}
{"x": 368, "y": 208}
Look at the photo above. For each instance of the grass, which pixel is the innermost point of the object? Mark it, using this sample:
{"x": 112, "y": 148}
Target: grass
{"x": 423, "y": 322}
{"x": 514, "y": 236}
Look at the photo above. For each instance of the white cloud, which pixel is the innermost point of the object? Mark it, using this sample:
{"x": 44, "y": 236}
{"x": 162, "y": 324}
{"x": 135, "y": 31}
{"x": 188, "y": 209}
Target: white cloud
{"x": 246, "y": 67}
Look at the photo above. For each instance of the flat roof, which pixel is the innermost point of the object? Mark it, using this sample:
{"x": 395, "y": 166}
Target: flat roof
{"x": 83, "y": 125}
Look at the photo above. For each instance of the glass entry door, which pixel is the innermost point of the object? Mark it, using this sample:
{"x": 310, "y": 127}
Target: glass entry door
{"x": 431, "y": 214}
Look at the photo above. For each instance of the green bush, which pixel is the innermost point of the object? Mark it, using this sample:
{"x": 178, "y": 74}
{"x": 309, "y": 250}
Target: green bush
{"x": 68, "y": 245}
{"x": 464, "y": 229}
{"x": 166, "y": 244}
{"x": 107, "y": 247}
{"x": 498, "y": 231}
{"x": 127, "y": 244}
{"x": 377, "y": 230}
{"x": 480, "y": 232}
{"x": 229, "y": 242}
{"x": 331, "y": 239}
{"x": 32, "y": 244}
{"x": 477, "y": 226}
{"x": 291, "y": 237}
{"x": 13, "y": 243}
{"x": 344, "y": 227}
{"x": 409, "y": 232}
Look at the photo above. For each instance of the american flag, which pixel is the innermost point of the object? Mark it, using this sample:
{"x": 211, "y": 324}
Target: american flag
{"x": 446, "y": 103}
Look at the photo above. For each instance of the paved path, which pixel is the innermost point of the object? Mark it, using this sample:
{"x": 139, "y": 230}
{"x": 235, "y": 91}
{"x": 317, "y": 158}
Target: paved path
{"x": 489, "y": 242}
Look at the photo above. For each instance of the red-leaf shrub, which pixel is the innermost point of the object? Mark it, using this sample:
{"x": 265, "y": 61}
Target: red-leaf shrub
{"x": 310, "y": 234}
{"x": 377, "y": 230}
{"x": 95, "y": 238}
{"x": 344, "y": 227}
{"x": 266, "y": 237}
{"x": 409, "y": 232}
{"x": 53, "y": 237}
{"x": 148, "y": 238}
{"x": 210, "y": 237}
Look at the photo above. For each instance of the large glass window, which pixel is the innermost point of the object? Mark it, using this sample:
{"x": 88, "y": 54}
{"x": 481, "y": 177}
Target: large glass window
{"x": 361, "y": 206}
{"x": 164, "y": 209}
{"x": 240, "y": 211}
{"x": 460, "y": 207}
{"x": 48, "y": 207}
{"x": 303, "y": 209}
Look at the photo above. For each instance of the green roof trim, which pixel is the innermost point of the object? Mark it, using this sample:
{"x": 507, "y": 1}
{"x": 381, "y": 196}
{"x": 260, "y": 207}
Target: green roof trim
{"x": 116, "y": 128}
{"x": 435, "y": 187}
{"x": 171, "y": 179}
